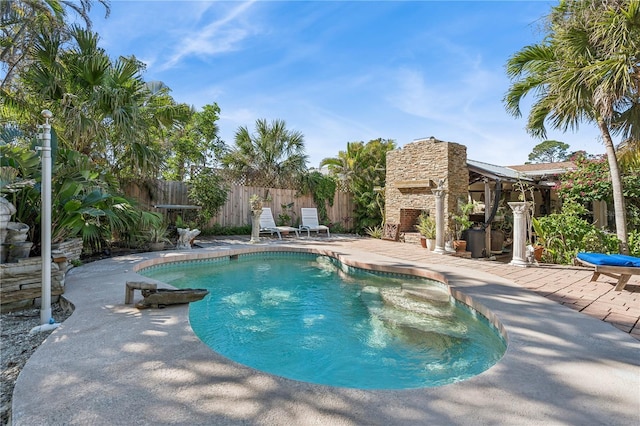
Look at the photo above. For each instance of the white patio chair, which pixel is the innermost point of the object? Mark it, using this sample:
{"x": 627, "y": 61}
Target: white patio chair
{"x": 268, "y": 224}
{"x": 310, "y": 222}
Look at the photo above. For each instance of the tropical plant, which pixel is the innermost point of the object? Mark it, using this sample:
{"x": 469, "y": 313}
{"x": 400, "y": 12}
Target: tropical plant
{"x": 273, "y": 156}
{"x": 361, "y": 169}
{"x": 157, "y": 230}
{"x": 85, "y": 198}
{"x": 565, "y": 234}
{"x": 584, "y": 71}
{"x": 461, "y": 218}
{"x": 426, "y": 226}
{"x": 22, "y": 20}
{"x": 374, "y": 231}
{"x": 101, "y": 108}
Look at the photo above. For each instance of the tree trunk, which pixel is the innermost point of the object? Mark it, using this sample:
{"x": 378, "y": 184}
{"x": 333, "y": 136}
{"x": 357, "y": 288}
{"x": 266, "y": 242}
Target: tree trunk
{"x": 616, "y": 184}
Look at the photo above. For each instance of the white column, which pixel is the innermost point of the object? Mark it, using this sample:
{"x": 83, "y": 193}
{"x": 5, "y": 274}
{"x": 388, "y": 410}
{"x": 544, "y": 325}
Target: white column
{"x": 519, "y": 247}
{"x": 439, "y": 193}
{"x": 45, "y": 220}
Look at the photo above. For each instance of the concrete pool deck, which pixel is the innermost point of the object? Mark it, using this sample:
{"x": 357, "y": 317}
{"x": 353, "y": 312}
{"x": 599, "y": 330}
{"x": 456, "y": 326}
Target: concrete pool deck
{"x": 112, "y": 364}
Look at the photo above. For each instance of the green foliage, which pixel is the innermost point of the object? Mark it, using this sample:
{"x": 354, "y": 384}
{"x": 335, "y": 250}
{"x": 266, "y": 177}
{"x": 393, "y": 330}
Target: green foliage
{"x": 549, "y": 151}
{"x": 339, "y": 227}
{"x": 209, "y": 191}
{"x": 565, "y": 234}
{"x": 374, "y": 232}
{"x": 322, "y": 189}
{"x": 273, "y": 156}
{"x": 194, "y": 144}
{"x": 217, "y": 229}
{"x": 588, "y": 182}
{"x": 285, "y": 218}
{"x": 85, "y": 199}
{"x": 634, "y": 243}
{"x": 362, "y": 170}
{"x": 461, "y": 219}
{"x": 157, "y": 229}
{"x": 426, "y": 226}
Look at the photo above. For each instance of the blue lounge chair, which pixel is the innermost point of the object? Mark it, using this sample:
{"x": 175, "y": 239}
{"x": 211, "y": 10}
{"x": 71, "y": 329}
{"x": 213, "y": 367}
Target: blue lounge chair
{"x": 617, "y": 266}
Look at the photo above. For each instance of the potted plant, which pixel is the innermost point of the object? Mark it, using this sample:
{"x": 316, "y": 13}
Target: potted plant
{"x": 462, "y": 222}
{"x": 427, "y": 228}
{"x": 538, "y": 245}
{"x": 158, "y": 235}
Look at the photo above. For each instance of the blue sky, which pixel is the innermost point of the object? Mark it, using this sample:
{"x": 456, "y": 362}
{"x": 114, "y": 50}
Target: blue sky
{"x": 343, "y": 71}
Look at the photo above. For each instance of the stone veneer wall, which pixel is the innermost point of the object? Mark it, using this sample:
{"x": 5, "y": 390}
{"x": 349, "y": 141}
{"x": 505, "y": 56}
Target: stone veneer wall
{"x": 21, "y": 282}
{"x": 421, "y": 161}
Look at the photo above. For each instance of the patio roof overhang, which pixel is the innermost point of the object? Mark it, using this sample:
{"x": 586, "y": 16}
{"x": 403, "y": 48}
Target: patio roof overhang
{"x": 479, "y": 171}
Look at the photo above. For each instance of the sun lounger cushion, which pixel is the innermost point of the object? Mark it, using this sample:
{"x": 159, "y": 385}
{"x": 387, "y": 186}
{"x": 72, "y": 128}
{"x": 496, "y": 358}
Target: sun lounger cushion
{"x": 610, "y": 259}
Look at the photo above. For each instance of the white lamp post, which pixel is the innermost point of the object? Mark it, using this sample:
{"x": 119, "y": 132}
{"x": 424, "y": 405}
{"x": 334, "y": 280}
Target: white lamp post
{"x": 45, "y": 220}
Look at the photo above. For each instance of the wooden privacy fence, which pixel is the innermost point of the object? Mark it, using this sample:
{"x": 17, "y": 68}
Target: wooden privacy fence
{"x": 236, "y": 211}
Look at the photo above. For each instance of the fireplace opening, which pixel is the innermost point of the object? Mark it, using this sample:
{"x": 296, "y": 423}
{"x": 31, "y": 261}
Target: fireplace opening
{"x": 409, "y": 219}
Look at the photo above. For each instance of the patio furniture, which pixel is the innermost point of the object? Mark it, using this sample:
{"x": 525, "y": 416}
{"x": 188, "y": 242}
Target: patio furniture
{"x": 268, "y": 224}
{"x": 618, "y": 266}
{"x": 310, "y": 221}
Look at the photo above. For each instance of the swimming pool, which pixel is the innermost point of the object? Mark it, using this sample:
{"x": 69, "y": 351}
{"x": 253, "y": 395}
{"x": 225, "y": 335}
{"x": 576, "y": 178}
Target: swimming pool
{"x": 309, "y": 318}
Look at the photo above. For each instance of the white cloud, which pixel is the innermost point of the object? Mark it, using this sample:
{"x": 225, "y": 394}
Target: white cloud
{"x": 220, "y": 36}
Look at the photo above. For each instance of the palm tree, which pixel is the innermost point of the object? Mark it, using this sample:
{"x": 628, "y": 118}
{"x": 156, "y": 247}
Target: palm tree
{"x": 22, "y": 20}
{"x": 587, "y": 70}
{"x": 102, "y": 108}
{"x": 361, "y": 169}
{"x": 346, "y": 166}
{"x": 272, "y": 157}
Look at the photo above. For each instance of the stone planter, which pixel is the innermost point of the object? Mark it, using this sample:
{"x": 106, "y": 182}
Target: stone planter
{"x": 6, "y": 211}
{"x": 19, "y": 250}
{"x": 159, "y": 246}
{"x": 4, "y": 252}
{"x": 17, "y": 232}
{"x": 431, "y": 244}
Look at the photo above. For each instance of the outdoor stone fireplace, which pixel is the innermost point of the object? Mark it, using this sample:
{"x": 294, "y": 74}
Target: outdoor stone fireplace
{"x": 409, "y": 219}
{"x": 414, "y": 170}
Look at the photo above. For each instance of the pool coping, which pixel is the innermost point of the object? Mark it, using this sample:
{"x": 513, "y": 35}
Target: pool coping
{"x": 110, "y": 363}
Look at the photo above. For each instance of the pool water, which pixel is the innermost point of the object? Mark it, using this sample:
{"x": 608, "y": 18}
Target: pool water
{"x": 304, "y": 318}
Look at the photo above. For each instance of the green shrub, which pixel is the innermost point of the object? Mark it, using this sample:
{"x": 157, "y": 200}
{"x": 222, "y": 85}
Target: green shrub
{"x": 565, "y": 234}
{"x": 634, "y": 243}
{"x": 217, "y": 229}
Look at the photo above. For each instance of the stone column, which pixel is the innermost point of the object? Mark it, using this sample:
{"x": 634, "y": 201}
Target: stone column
{"x": 519, "y": 247}
{"x": 255, "y": 226}
{"x": 439, "y": 193}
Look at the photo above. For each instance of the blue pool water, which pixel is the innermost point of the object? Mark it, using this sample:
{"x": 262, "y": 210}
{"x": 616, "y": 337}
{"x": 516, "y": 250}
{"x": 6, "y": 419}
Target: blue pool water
{"x": 303, "y": 317}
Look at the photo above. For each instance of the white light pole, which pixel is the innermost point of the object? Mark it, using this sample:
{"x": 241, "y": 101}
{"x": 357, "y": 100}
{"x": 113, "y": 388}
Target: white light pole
{"x": 45, "y": 220}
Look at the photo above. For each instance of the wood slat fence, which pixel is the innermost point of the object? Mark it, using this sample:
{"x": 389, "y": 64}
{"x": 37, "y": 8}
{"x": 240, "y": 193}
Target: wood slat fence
{"x": 236, "y": 211}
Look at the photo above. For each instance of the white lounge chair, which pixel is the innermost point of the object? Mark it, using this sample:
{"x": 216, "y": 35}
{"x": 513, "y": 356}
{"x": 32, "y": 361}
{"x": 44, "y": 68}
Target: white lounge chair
{"x": 310, "y": 222}
{"x": 267, "y": 224}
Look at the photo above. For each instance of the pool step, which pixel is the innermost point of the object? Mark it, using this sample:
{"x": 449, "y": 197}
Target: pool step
{"x": 419, "y": 303}
{"x": 431, "y": 293}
